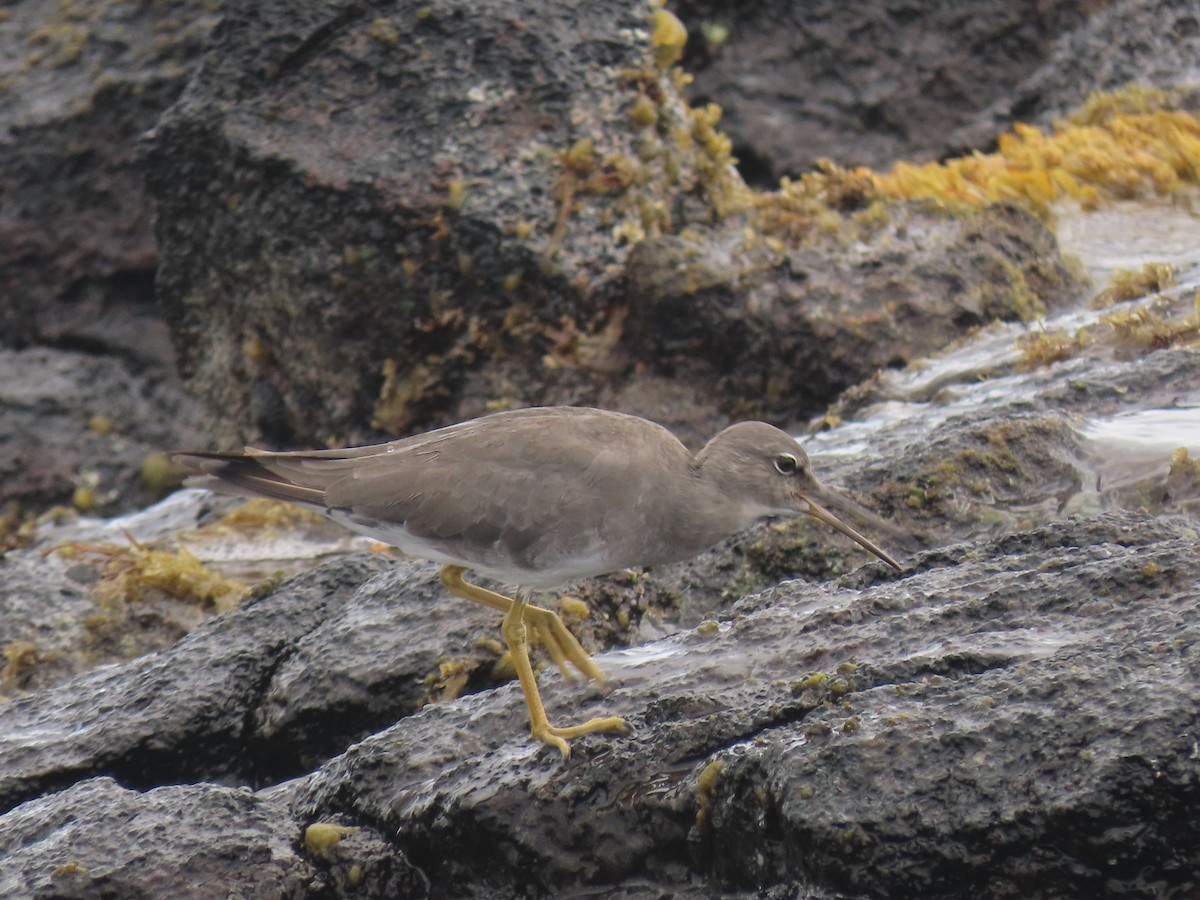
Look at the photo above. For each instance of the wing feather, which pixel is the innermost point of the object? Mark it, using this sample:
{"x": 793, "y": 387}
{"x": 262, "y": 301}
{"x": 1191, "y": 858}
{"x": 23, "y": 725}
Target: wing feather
{"x": 482, "y": 488}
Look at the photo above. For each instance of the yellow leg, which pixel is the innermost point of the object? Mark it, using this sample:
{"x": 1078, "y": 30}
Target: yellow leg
{"x": 518, "y": 613}
{"x": 548, "y": 629}
{"x": 513, "y": 629}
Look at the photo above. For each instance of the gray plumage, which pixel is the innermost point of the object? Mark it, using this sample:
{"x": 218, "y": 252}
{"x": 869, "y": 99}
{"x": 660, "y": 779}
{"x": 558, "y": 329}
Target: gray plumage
{"x": 540, "y": 497}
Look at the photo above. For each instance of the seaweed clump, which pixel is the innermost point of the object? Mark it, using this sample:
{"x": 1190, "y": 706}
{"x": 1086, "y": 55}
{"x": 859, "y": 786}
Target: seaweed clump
{"x": 1121, "y": 145}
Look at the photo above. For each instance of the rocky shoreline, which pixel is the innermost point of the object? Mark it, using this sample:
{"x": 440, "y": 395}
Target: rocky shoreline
{"x": 378, "y": 220}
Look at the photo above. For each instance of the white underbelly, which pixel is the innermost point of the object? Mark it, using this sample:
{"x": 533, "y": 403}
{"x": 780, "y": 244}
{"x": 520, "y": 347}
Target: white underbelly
{"x": 489, "y": 561}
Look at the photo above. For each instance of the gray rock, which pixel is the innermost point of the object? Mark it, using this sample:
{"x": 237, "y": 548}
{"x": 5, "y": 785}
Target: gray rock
{"x": 77, "y": 251}
{"x": 863, "y": 83}
{"x": 42, "y": 609}
{"x": 1151, "y": 43}
{"x": 796, "y": 332}
{"x": 325, "y": 193}
{"x": 49, "y": 401}
{"x": 1011, "y": 715}
{"x": 372, "y": 660}
{"x": 186, "y": 714}
{"x": 254, "y": 697}
{"x": 97, "y": 839}
{"x": 884, "y": 81}
{"x": 1014, "y": 717}
{"x": 516, "y": 237}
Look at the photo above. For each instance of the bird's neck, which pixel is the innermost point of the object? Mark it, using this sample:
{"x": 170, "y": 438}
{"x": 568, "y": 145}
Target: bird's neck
{"x": 702, "y": 516}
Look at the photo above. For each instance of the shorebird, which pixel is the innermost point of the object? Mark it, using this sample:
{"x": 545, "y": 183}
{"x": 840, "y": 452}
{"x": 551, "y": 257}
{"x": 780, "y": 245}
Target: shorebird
{"x": 538, "y": 498}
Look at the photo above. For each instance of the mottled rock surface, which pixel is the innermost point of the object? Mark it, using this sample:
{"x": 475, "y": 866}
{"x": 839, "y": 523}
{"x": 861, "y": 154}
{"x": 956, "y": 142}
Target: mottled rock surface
{"x": 81, "y": 83}
{"x": 1052, "y": 671}
{"x": 1107, "y": 52}
{"x": 187, "y": 834}
{"x": 862, "y": 83}
{"x": 546, "y": 222}
{"x": 1007, "y": 716}
{"x": 873, "y": 83}
{"x": 71, "y": 420}
{"x": 1010, "y": 715}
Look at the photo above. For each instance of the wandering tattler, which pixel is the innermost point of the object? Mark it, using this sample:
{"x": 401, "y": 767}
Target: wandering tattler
{"x": 536, "y": 499}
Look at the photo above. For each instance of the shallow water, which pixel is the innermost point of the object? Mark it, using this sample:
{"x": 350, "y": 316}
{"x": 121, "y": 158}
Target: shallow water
{"x": 1124, "y": 458}
{"x": 1130, "y": 233}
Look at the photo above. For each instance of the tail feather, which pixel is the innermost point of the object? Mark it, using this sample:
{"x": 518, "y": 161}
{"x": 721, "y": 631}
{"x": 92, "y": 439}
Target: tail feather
{"x": 245, "y": 475}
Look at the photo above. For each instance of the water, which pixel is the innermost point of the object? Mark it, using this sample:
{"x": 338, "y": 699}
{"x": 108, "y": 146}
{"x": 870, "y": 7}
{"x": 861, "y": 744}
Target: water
{"x": 1128, "y": 234}
{"x": 1127, "y": 457}
{"x": 1123, "y": 459}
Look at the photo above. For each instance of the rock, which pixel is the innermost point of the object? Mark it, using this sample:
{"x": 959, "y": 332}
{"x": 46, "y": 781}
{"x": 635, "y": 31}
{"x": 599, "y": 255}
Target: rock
{"x": 924, "y": 730}
{"x": 80, "y": 85}
{"x": 547, "y": 222}
{"x": 794, "y": 334}
{"x": 397, "y": 642}
{"x": 436, "y": 226}
{"x": 886, "y": 82}
{"x": 42, "y": 612}
{"x": 72, "y": 421}
{"x": 1006, "y": 717}
{"x": 255, "y": 697}
{"x": 77, "y": 250}
{"x": 881, "y": 81}
{"x": 186, "y": 714}
{"x": 1148, "y": 43}
{"x": 97, "y": 839}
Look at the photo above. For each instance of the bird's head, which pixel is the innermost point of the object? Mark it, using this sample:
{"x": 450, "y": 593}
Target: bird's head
{"x": 769, "y": 472}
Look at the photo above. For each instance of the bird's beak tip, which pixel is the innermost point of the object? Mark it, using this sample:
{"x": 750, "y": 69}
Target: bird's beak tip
{"x": 819, "y": 512}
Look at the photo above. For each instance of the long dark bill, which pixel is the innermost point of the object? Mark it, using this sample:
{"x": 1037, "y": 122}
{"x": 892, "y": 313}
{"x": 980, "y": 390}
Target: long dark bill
{"x": 819, "y": 512}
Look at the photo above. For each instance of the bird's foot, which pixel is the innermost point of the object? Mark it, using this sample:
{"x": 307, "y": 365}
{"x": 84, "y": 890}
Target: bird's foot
{"x": 564, "y": 650}
{"x": 558, "y": 737}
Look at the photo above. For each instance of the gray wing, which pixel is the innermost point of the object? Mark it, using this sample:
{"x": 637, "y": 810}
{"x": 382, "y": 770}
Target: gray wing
{"x": 487, "y": 483}
{"x": 499, "y": 486}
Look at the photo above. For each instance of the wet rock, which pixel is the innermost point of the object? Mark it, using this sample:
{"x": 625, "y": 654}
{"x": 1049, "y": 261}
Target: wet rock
{"x": 98, "y": 839}
{"x": 72, "y": 421}
{"x": 980, "y": 442}
{"x": 819, "y": 320}
{"x": 882, "y": 81}
{"x": 186, "y": 714}
{"x": 77, "y": 250}
{"x": 1009, "y": 717}
{"x": 983, "y": 718}
{"x": 397, "y": 642}
{"x": 254, "y": 697}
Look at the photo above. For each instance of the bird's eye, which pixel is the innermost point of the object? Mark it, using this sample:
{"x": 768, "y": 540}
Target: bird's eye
{"x": 786, "y": 464}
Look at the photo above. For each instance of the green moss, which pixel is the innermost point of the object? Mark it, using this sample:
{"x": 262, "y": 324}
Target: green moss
{"x": 157, "y": 472}
{"x": 1125, "y": 284}
{"x": 668, "y": 37}
{"x": 320, "y": 838}
{"x": 60, "y": 44}
{"x": 456, "y": 195}
{"x": 643, "y": 112}
{"x": 384, "y": 31}
{"x": 1142, "y": 329}
{"x": 810, "y": 682}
